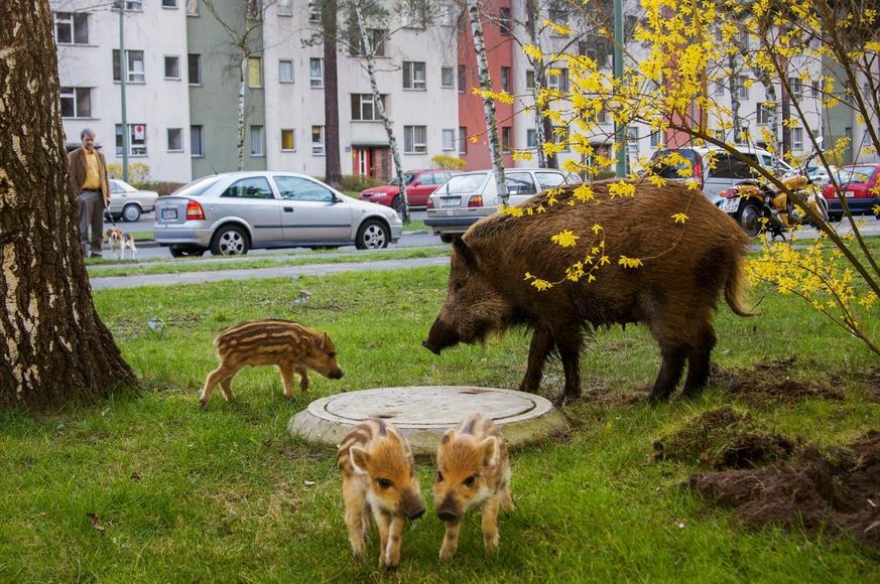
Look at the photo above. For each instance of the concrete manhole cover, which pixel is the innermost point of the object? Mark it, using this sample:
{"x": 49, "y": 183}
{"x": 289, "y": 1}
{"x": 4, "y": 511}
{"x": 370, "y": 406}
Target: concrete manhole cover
{"x": 423, "y": 414}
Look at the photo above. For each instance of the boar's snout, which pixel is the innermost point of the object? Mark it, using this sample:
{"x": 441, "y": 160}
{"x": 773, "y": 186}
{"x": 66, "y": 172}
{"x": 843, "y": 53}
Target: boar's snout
{"x": 412, "y": 506}
{"x": 336, "y": 374}
{"x": 439, "y": 337}
{"x": 448, "y": 510}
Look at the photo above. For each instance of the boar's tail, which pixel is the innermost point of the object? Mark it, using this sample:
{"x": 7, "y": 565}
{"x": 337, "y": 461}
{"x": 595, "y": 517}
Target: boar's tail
{"x": 734, "y": 290}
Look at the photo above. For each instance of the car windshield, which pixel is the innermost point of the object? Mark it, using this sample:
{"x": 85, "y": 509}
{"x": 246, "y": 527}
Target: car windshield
{"x": 409, "y": 177}
{"x": 197, "y": 187}
{"x": 855, "y": 174}
{"x": 464, "y": 183}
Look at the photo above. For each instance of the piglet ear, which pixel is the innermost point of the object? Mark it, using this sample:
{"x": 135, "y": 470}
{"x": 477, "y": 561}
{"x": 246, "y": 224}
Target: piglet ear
{"x": 489, "y": 447}
{"x": 467, "y": 254}
{"x": 360, "y": 459}
{"x": 447, "y": 437}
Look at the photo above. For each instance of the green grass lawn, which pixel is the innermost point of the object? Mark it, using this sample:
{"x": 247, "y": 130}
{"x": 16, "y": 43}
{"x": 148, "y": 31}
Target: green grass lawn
{"x": 149, "y": 488}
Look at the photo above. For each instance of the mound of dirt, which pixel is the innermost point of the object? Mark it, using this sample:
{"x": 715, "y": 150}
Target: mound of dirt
{"x": 838, "y": 492}
{"x": 723, "y": 438}
{"x": 770, "y": 382}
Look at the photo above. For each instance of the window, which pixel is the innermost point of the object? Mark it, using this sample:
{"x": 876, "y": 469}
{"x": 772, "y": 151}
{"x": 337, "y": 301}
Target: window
{"x": 255, "y": 187}
{"x": 742, "y": 87}
{"x": 763, "y": 113}
{"x": 558, "y": 79}
{"x": 196, "y": 141}
{"x": 134, "y": 66}
{"x": 520, "y": 183}
{"x": 363, "y": 107}
{"x": 76, "y": 102}
{"x": 285, "y": 8}
{"x": 632, "y": 140}
{"x": 255, "y": 72}
{"x": 530, "y": 79}
{"x": 655, "y": 140}
{"x": 415, "y": 139}
{"x": 169, "y": 3}
{"x": 461, "y": 78}
{"x": 297, "y": 188}
{"x": 137, "y": 139}
{"x": 192, "y": 7}
{"x": 462, "y": 140}
{"x": 256, "y": 140}
{"x": 172, "y": 67}
{"x": 504, "y": 21}
{"x": 719, "y": 88}
{"x": 175, "y": 140}
{"x": 318, "y": 140}
{"x": 558, "y": 15}
{"x": 71, "y": 28}
{"x": 130, "y": 5}
{"x": 448, "y": 139}
{"x": 797, "y": 138}
{"x": 316, "y": 72}
{"x": 560, "y": 136}
{"x": 285, "y": 71}
{"x": 506, "y": 138}
{"x": 288, "y": 143}
{"x": 796, "y": 87}
{"x": 505, "y": 79}
{"x": 531, "y": 138}
{"x": 414, "y": 75}
{"x": 814, "y": 89}
{"x": 194, "y": 68}
{"x": 447, "y": 77}
{"x": 314, "y": 11}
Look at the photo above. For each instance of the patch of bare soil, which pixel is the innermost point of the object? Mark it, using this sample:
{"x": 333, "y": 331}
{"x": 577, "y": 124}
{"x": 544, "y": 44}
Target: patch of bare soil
{"x": 838, "y": 492}
{"x": 723, "y": 438}
{"x": 770, "y": 382}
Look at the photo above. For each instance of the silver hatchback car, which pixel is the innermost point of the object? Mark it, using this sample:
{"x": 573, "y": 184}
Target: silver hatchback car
{"x": 230, "y": 213}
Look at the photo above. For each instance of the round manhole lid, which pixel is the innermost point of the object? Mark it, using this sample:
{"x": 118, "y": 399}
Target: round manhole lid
{"x": 423, "y": 414}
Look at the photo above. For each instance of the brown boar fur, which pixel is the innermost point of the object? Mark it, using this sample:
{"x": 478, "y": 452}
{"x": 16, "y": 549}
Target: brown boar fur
{"x": 293, "y": 347}
{"x": 378, "y": 476}
{"x": 472, "y": 470}
{"x": 686, "y": 267}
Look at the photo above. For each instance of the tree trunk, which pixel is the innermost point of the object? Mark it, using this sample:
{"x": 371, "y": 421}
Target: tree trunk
{"x": 473, "y": 8}
{"x": 55, "y": 349}
{"x": 333, "y": 173}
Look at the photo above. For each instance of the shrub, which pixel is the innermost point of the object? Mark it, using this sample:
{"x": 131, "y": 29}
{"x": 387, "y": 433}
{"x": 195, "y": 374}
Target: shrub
{"x": 450, "y": 162}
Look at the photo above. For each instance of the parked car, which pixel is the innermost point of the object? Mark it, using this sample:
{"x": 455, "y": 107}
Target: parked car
{"x": 128, "y": 203}
{"x": 859, "y": 183}
{"x": 469, "y": 196}
{"x": 679, "y": 164}
{"x": 722, "y": 169}
{"x": 231, "y": 213}
{"x": 419, "y": 186}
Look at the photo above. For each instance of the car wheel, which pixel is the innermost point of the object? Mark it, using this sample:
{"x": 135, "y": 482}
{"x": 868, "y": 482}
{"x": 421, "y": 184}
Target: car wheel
{"x": 750, "y": 219}
{"x": 372, "y": 235}
{"x": 131, "y": 213}
{"x": 229, "y": 240}
{"x": 446, "y": 238}
{"x": 182, "y": 252}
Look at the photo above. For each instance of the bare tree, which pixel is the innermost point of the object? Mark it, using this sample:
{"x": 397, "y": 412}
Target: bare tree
{"x": 55, "y": 347}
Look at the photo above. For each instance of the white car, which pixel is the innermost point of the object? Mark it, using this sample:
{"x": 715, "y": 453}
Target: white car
{"x": 129, "y": 203}
{"x": 463, "y": 199}
{"x": 232, "y": 212}
{"x": 722, "y": 169}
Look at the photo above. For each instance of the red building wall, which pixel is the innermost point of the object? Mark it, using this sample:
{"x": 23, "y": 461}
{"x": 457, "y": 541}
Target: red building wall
{"x": 499, "y": 50}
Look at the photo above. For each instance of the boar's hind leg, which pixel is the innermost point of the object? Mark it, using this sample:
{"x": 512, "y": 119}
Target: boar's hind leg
{"x": 698, "y": 363}
{"x": 670, "y": 372}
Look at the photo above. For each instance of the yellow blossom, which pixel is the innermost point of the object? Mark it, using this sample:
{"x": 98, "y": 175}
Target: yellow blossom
{"x": 627, "y": 262}
{"x": 680, "y": 218}
{"x": 565, "y": 239}
{"x": 541, "y": 285}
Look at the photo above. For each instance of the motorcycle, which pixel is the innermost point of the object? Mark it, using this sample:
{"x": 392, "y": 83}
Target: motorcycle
{"x": 758, "y": 206}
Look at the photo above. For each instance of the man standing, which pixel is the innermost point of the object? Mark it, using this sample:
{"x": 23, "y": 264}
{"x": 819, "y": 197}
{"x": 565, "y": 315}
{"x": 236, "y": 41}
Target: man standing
{"x": 90, "y": 185}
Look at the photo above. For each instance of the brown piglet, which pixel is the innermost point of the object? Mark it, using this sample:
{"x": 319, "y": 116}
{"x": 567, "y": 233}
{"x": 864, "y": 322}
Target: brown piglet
{"x": 294, "y": 348}
{"x": 472, "y": 470}
{"x": 378, "y": 475}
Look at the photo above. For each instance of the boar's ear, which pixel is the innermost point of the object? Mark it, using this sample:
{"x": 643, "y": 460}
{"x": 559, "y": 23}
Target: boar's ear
{"x": 360, "y": 459}
{"x": 467, "y": 254}
{"x": 489, "y": 448}
{"x": 447, "y": 437}
{"x": 322, "y": 341}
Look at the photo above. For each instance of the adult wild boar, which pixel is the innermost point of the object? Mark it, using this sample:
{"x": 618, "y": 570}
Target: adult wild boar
{"x": 685, "y": 267}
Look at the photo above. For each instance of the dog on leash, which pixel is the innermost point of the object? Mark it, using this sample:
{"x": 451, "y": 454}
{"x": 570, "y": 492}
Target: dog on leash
{"x": 119, "y": 242}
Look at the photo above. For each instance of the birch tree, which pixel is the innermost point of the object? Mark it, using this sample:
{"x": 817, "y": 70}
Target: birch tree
{"x": 55, "y": 349}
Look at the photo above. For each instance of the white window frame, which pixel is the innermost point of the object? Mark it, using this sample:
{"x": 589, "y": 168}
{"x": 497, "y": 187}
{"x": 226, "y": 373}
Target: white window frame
{"x": 189, "y": 68}
{"x": 137, "y": 146}
{"x": 292, "y": 137}
{"x": 172, "y": 133}
{"x": 134, "y": 67}
{"x": 170, "y": 4}
{"x": 75, "y": 21}
{"x": 797, "y": 139}
{"x": 314, "y": 11}
{"x": 255, "y": 67}
{"x": 258, "y": 142}
{"x": 316, "y": 73}
{"x": 447, "y": 77}
{"x": 197, "y": 141}
{"x": 742, "y": 89}
{"x": 415, "y": 75}
{"x": 176, "y": 60}
{"x": 364, "y": 109}
{"x": 285, "y": 66}
{"x": 531, "y": 138}
{"x": 448, "y": 139}
{"x": 75, "y": 95}
{"x": 462, "y": 140}
{"x": 415, "y": 139}
{"x": 319, "y": 145}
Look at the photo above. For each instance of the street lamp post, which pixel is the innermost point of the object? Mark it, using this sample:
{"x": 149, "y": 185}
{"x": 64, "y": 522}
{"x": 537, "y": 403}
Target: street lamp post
{"x": 123, "y": 73}
{"x": 619, "y": 128}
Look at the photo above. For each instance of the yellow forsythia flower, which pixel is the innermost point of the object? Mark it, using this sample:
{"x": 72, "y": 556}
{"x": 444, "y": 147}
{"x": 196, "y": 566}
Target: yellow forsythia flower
{"x": 629, "y": 262}
{"x": 565, "y": 239}
{"x": 680, "y": 218}
{"x": 541, "y": 285}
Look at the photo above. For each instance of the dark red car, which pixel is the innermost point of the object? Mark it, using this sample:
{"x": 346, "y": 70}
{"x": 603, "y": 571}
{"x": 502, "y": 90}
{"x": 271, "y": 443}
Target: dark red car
{"x": 859, "y": 183}
{"x": 419, "y": 186}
